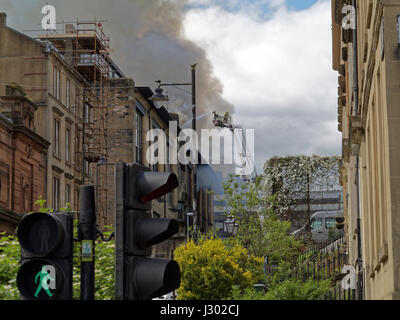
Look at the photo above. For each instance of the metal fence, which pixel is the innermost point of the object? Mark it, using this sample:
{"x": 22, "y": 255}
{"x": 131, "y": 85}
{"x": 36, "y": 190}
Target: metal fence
{"x": 325, "y": 261}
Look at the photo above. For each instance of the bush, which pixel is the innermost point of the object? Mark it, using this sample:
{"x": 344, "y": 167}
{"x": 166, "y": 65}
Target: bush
{"x": 293, "y": 289}
{"x": 209, "y": 269}
{"x": 9, "y": 257}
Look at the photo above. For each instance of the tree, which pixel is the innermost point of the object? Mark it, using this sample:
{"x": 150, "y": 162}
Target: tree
{"x": 260, "y": 230}
{"x": 210, "y": 269}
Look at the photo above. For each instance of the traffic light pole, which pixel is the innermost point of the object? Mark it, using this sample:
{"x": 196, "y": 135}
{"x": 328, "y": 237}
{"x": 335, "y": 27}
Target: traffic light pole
{"x": 87, "y": 236}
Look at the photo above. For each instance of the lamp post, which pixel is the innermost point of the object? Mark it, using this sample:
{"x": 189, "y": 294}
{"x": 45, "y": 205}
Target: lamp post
{"x": 230, "y": 226}
{"x": 158, "y": 96}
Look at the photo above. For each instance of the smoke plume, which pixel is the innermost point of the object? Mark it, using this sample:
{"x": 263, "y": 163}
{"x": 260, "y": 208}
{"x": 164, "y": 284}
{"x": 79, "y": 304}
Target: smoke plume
{"x": 147, "y": 42}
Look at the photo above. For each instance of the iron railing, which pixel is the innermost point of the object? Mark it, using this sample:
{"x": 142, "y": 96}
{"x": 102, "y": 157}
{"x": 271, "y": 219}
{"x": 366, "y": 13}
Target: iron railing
{"x": 325, "y": 261}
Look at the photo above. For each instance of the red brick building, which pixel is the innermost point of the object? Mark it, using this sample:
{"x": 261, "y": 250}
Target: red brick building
{"x": 22, "y": 158}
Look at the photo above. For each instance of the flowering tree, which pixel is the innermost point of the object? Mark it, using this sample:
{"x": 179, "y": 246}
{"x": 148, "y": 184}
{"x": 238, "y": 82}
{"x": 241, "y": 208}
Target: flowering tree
{"x": 292, "y": 179}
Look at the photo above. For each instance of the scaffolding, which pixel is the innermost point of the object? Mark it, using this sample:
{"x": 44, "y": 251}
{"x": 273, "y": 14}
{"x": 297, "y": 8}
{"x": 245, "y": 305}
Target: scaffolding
{"x": 86, "y": 48}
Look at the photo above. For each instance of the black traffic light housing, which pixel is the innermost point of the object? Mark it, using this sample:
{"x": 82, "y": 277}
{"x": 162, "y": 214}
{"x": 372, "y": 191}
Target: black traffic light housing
{"x": 46, "y": 241}
{"x": 137, "y": 276}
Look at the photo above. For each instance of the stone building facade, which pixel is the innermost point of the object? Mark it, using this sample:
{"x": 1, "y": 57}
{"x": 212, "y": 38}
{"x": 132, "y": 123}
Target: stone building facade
{"x": 58, "y": 90}
{"x": 85, "y": 102}
{"x": 367, "y": 59}
{"x": 22, "y": 159}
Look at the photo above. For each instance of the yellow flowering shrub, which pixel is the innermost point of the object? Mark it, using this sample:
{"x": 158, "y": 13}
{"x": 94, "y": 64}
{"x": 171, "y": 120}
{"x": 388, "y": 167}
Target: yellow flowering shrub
{"x": 209, "y": 269}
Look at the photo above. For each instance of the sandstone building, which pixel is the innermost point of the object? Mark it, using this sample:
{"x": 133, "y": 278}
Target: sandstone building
{"x": 367, "y": 58}
{"x": 93, "y": 116}
{"x": 22, "y": 158}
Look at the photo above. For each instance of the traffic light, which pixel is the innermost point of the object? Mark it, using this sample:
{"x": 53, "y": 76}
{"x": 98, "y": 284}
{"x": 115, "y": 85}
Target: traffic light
{"x": 46, "y": 241}
{"x": 340, "y": 223}
{"x": 137, "y": 276}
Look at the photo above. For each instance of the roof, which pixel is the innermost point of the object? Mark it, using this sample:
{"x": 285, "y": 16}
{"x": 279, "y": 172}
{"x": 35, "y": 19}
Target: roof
{"x": 327, "y": 214}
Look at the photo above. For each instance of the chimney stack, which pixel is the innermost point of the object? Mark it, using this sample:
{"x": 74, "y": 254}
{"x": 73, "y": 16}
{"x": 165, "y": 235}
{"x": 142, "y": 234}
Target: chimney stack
{"x": 3, "y": 19}
{"x": 69, "y": 28}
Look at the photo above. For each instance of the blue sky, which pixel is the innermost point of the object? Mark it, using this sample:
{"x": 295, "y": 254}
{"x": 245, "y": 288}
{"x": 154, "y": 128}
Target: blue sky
{"x": 262, "y": 5}
{"x": 300, "y": 4}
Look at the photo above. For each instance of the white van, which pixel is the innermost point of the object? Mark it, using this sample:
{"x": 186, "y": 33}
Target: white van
{"x": 322, "y": 222}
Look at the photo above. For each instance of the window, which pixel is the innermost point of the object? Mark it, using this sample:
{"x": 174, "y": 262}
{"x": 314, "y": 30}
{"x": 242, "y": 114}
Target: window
{"x": 56, "y": 193}
{"x": 56, "y": 82}
{"x": 86, "y": 115}
{"x": 189, "y": 184}
{"x": 398, "y": 30}
{"x": 67, "y": 194}
{"x": 87, "y": 168}
{"x": 56, "y": 145}
{"x": 330, "y": 223}
{"x": 168, "y": 169}
{"x": 77, "y": 155}
{"x": 316, "y": 224}
{"x": 139, "y": 137}
{"x": 67, "y": 145}
{"x": 155, "y": 126}
{"x": 68, "y": 94}
{"x": 76, "y": 196}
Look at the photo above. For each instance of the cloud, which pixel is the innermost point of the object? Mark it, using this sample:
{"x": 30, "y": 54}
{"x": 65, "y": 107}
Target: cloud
{"x": 277, "y": 72}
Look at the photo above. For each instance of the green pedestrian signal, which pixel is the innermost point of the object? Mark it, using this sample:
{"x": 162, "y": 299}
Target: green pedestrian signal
{"x": 46, "y": 280}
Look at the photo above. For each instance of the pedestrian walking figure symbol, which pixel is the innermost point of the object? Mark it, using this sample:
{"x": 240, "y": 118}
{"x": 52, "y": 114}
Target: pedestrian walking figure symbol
{"x": 45, "y": 280}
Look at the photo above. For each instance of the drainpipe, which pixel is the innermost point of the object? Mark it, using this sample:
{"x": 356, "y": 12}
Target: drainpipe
{"x": 356, "y": 112}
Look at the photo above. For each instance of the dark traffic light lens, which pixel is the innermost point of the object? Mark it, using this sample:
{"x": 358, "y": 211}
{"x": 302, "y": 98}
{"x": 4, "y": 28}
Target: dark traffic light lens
{"x": 40, "y": 233}
{"x": 150, "y": 278}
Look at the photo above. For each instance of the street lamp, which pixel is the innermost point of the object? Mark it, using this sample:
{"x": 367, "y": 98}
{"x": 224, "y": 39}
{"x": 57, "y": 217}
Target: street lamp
{"x": 230, "y": 226}
{"x": 158, "y": 96}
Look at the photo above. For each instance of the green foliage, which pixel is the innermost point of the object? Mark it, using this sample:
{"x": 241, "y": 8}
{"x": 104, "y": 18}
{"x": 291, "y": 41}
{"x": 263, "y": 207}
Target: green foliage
{"x": 279, "y": 287}
{"x": 104, "y": 268}
{"x": 260, "y": 231}
{"x": 209, "y": 269}
{"x": 9, "y": 257}
{"x": 42, "y": 205}
{"x": 293, "y": 289}
{"x": 290, "y": 289}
